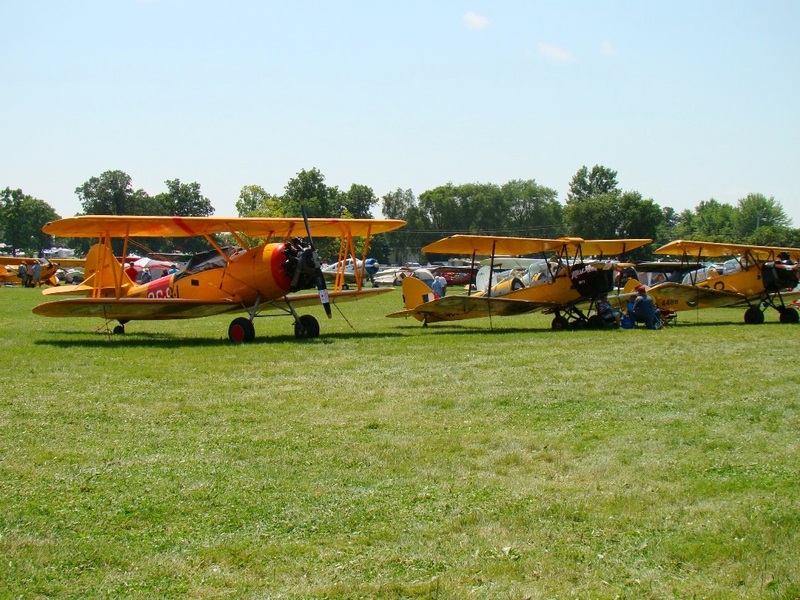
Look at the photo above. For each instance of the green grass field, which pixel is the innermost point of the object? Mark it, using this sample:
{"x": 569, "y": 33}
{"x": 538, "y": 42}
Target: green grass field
{"x": 384, "y": 460}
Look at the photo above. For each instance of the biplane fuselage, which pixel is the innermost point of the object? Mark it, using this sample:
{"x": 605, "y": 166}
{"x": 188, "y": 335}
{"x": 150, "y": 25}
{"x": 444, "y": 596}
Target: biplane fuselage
{"x": 250, "y": 273}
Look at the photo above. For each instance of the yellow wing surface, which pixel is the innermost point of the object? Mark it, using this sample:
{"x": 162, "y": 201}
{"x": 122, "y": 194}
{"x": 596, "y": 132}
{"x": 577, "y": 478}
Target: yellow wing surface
{"x": 151, "y": 309}
{"x": 717, "y": 250}
{"x": 488, "y": 246}
{"x": 602, "y": 247}
{"x": 518, "y": 246}
{"x": 98, "y": 226}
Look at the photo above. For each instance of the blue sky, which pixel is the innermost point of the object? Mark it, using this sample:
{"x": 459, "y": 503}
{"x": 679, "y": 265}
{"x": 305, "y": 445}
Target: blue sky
{"x": 685, "y": 100}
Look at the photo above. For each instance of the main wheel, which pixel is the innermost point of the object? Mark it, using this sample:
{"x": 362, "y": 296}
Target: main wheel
{"x": 241, "y": 330}
{"x": 559, "y": 323}
{"x": 790, "y": 315}
{"x": 306, "y": 327}
{"x": 753, "y": 316}
{"x": 595, "y": 322}
{"x": 119, "y": 329}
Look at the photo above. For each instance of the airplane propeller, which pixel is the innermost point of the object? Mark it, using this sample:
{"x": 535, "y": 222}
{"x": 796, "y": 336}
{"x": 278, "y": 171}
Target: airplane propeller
{"x": 319, "y": 278}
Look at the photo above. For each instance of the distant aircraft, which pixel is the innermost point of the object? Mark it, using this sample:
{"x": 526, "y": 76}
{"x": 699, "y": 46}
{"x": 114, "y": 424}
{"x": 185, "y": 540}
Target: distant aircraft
{"x": 344, "y": 272}
{"x": 249, "y": 278}
{"x": 754, "y": 276}
{"x": 577, "y": 273}
{"x": 9, "y": 270}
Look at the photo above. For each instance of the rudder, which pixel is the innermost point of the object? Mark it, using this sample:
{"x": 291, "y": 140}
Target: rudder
{"x": 415, "y": 292}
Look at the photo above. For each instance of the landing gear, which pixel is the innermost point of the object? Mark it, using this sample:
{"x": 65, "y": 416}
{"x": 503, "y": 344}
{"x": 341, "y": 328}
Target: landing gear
{"x": 306, "y": 327}
{"x": 789, "y": 315}
{"x": 119, "y": 330}
{"x": 241, "y": 330}
{"x": 559, "y": 323}
{"x": 753, "y": 316}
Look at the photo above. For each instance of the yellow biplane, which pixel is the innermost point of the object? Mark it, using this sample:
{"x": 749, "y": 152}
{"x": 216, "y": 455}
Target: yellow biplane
{"x": 9, "y": 270}
{"x": 754, "y": 276}
{"x": 241, "y": 277}
{"x": 571, "y": 274}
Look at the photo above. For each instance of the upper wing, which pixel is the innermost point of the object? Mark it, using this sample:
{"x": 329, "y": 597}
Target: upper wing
{"x": 457, "y": 308}
{"x": 602, "y": 247}
{"x": 717, "y": 249}
{"x": 134, "y": 309}
{"x": 489, "y": 246}
{"x": 145, "y": 226}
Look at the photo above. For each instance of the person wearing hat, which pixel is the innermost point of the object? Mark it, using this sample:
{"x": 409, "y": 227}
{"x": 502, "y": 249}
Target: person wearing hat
{"x": 644, "y": 309}
{"x": 36, "y": 273}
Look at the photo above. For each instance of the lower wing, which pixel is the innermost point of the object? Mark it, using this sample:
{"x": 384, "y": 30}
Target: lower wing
{"x": 457, "y": 308}
{"x": 135, "y": 309}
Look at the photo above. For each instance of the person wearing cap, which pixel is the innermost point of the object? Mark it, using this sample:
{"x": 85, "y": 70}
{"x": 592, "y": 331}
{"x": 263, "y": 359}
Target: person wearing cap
{"x": 644, "y": 309}
{"x": 36, "y": 273}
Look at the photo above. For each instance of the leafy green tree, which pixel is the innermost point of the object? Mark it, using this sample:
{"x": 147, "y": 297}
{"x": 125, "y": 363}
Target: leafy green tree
{"x": 183, "y": 200}
{"x": 405, "y": 242}
{"x": 714, "y": 221}
{"x": 255, "y": 201}
{"x": 586, "y": 184}
{"x": 308, "y": 189}
{"x": 533, "y": 210}
{"x": 775, "y": 236}
{"x": 593, "y": 217}
{"x": 21, "y": 220}
{"x": 112, "y": 193}
{"x": 756, "y": 211}
{"x": 358, "y": 201}
{"x": 615, "y": 215}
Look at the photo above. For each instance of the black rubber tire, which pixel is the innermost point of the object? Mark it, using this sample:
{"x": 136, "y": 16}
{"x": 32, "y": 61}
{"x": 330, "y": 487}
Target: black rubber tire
{"x": 241, "y": 330}
{"x": 306, "y": 327}
{"x": 753, "y": 316}
{"x": 790, "y": 315}
{"x": 559, "y": 323}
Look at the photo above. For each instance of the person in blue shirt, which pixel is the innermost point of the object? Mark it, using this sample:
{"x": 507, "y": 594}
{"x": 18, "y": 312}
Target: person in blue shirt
{"x": 644, "y": 309}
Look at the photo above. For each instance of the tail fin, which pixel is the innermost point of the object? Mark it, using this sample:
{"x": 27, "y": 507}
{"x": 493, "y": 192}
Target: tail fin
{"x": 631, "y": 285}
{"x": 103, "y": 275}
{"x": 415, "y": 292}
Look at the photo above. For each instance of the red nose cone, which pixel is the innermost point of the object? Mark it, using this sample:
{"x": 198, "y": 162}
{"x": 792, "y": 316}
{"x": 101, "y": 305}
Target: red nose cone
{"x": 282, "y": 279}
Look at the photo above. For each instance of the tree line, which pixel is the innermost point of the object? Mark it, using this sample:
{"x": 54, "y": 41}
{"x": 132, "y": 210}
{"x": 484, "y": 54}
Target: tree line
{"x": 595, "y": 208}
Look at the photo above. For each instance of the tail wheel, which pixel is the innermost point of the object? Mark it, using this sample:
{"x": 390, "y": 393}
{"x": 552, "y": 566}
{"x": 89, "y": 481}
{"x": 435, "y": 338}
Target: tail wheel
{"x": 559, "y": 323}
{"x": 753, "y": 316}
{"x": 790, "y": 315}
{"x": 306, "y": 327}
{"x": 241, "y": 330}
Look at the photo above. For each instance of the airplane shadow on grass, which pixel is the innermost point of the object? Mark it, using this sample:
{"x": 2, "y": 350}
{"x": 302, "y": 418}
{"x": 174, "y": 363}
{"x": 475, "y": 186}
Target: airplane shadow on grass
{"x": 151, "y": 339}
{"x": 453, "y": 329}
{"x": 146, "y": 339}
